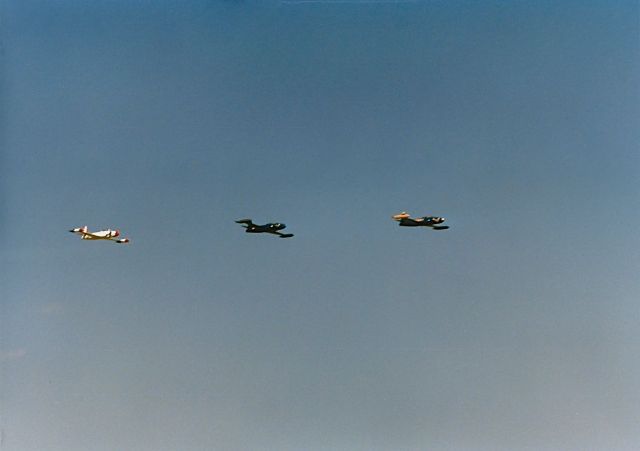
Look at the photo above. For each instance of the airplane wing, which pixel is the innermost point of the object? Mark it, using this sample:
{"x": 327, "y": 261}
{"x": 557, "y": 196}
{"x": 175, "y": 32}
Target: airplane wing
{"x": 401, "y": 216}
{"x": 90, "y": 234}
{"x": 246, "y": 222}
{"x": 85, "y": 233}
{"x": 283, "y": 235}
{"x": 119, "y": 241}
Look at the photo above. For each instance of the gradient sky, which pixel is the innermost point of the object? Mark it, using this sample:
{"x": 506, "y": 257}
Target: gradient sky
{"x": 517, "y": 329}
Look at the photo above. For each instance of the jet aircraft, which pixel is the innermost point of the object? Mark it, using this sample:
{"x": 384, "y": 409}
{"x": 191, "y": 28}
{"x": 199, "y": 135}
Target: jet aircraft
{"x": 273, "y": 228}
{"x": 405, "y": 220}
{"x": 111, "y": 235}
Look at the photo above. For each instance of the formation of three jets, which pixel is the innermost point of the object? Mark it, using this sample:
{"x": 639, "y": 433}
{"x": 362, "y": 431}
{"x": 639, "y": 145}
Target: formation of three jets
{"x": 404, "y": 220}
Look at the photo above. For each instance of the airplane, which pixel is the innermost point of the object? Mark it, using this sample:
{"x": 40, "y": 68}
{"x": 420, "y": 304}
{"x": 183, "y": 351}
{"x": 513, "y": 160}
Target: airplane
{"x": 273, "y": 228}
{"x": 405, "y": 220}
{"x": 108, "y": 234}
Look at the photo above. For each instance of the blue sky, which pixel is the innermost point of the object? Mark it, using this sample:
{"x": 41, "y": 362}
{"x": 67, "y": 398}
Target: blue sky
{"x": 514, "y": 330}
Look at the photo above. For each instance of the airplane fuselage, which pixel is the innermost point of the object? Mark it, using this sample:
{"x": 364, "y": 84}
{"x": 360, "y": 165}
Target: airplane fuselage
{"x": 426, "y": 221}
{"x": 101, "y": 235}
{"x": 266, "y": 228}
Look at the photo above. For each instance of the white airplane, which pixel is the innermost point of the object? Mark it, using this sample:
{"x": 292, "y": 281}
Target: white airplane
{"x": 108, "y": 234}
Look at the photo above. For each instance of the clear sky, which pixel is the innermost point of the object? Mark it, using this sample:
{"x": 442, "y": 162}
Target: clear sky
{"x": 517, "y": 329}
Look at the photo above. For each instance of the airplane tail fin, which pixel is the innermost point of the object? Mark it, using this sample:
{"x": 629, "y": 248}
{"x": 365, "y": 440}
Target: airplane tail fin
{"x": 245, "y": 221}
{"x": 84, "y": 229}
{"x": 400, "y": 216}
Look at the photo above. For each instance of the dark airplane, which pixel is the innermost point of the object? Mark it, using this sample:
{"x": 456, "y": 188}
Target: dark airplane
{"x": 273, "y": 228}
{"x": 404, "y": 220}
